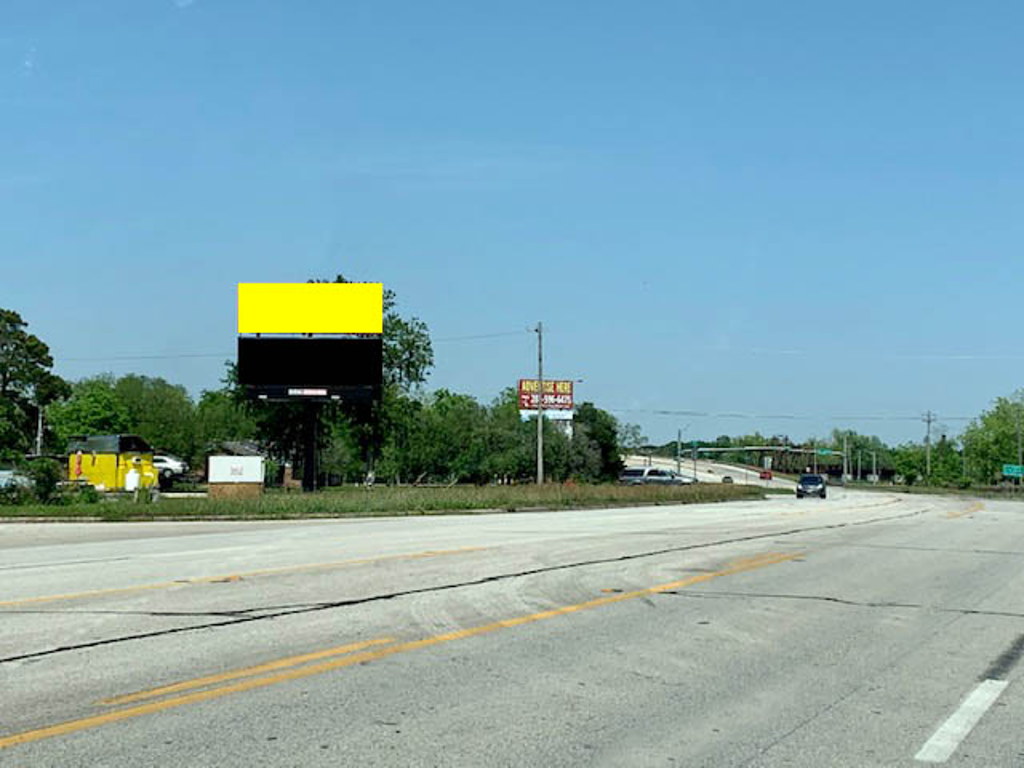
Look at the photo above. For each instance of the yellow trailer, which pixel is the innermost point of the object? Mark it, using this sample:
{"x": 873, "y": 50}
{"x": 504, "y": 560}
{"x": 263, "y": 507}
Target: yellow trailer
{"x": 107, "y": 462}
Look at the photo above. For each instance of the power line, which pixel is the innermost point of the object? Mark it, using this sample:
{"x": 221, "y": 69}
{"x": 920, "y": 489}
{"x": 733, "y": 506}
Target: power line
{"x": 783, "y": 416}
{"x": 938, "y": 356}
{"x": 482, "y": 336}
{"x": 201, "y": 355}
{"x": 109, "y": 358}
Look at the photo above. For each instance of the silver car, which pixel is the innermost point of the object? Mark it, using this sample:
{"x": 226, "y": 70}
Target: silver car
{"x": 652, "y": 476}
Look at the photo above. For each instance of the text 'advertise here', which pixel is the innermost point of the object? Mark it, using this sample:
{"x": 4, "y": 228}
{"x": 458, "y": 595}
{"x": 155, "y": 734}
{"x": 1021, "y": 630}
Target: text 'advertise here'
{"x": 311, "y": 341}
{"x": 557, "y": 395}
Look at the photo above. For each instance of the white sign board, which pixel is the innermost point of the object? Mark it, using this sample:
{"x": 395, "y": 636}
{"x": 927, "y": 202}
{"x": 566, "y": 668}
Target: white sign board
{"x": 548, "y": 415}
{"x": 236, "y": 469}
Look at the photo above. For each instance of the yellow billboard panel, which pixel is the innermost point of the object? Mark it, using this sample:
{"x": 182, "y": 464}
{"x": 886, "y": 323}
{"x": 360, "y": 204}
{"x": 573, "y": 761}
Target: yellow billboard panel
{"x": 310, "y": 308}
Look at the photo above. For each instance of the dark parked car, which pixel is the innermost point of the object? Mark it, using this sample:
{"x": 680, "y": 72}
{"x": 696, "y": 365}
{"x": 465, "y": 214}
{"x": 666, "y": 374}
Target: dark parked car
{"x": 810, "y": 485}
{"x": 726, "y": 479}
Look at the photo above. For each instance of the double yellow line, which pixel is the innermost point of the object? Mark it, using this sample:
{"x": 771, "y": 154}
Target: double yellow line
{"x": 977, "y": 506}
{"x": 296, "y": 667}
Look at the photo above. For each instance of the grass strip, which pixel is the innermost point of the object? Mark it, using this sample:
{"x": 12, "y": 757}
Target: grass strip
{"x": 392, "y": 501}
{"x": 1003, "y": 493}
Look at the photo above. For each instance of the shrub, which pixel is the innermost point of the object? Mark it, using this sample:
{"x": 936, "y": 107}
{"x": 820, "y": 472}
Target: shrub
{"x": 45, "y": 475}
{"x": 14, "y": 495}
{"x": 86, "y": 494}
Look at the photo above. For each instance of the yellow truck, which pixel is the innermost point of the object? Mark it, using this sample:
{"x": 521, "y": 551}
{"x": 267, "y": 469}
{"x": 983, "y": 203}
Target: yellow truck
{"x": 111, "y": 462}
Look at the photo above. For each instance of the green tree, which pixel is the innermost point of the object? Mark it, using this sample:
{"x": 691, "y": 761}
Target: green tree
{"x": 219, "y": 417}
{"x": 947, "y": 466}
{"x": 584, "y": 457}
{"x": 26, "y": 384}
{"x": 341, "y": 455}
{"x": 597, "y": 454}
{"x": 909, "y": 463}
{"x": 511, "y": 442}
{"x": 991, "y": 440}
{"x": 94, "y": 408}
{"x": 451, "y": 443}
{"x": 161, "y": 413}
{"x": 440, "y": 437}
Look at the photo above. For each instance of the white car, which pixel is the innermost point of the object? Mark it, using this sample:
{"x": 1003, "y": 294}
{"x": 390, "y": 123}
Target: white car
{"x": 169, "y": 467}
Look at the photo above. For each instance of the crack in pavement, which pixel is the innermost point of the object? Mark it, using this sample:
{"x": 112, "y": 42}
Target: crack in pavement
{"x": 334, "y": 604}
{"x": 236, "y": 612}
{"x": 853, "y": 603}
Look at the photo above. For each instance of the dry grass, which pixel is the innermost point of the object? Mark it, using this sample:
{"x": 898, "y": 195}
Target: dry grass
{"x": 392, "y": 501}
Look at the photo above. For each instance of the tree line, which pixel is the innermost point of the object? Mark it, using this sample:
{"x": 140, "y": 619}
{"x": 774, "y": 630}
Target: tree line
{"x": 413, "y": 436}
{"x": 408, "y": 435}
{"x": 974, "y": 458}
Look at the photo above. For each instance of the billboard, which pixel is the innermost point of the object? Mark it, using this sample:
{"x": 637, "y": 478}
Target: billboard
{"x": 324, "y": 367}
{"x": 310, "y": 308}
{"x": 557, "y": 395}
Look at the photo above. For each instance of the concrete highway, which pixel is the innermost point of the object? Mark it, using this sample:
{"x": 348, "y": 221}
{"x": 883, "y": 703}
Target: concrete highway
{"x": 709, "y": 471}
{"x": 863, "y": 630}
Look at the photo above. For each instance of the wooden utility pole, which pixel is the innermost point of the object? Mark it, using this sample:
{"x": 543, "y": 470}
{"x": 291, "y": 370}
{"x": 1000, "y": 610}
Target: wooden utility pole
{"x": 540, "y": 403}
{"x": 929, "y": 419}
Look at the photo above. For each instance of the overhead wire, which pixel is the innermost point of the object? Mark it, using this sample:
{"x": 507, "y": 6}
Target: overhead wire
{"x": 201, "y": 355}
{"x": 780, "y": 416}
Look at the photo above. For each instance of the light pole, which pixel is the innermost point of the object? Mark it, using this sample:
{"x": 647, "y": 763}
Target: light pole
{"x": 679, "y": 444}
{"x": 679, "y": 449}
{"x": 1020, "y": 456}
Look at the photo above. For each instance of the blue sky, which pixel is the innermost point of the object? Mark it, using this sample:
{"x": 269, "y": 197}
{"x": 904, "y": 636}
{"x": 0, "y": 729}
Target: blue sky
{"x": 800, "y": 208}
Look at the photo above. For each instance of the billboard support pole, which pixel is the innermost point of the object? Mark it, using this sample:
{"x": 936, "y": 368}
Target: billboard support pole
{"x": 309, "y": 447}
{"x": 540, "y": 403}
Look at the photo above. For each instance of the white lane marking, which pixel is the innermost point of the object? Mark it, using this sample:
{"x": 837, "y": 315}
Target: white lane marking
{"x": 944, "y": 742}
{"x": 185, "y": 552}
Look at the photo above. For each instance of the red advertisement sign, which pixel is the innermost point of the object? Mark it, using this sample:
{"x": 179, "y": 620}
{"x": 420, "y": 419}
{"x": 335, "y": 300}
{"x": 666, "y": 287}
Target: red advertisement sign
{"x": 557, "y": 395}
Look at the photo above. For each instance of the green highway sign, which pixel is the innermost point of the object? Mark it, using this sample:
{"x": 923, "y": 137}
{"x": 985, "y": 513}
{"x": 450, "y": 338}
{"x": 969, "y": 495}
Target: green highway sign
{"x": 824, "y": 452}
{"x": 1013, "y": 470}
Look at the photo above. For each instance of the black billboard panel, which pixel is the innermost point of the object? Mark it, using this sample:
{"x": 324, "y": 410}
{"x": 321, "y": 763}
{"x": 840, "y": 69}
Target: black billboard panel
{"x": 309, "y": 367}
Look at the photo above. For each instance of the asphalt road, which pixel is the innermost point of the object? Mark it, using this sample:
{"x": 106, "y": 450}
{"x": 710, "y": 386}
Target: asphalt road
{"x": 712, "y": 471}
{"x": 863, "y": 630}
